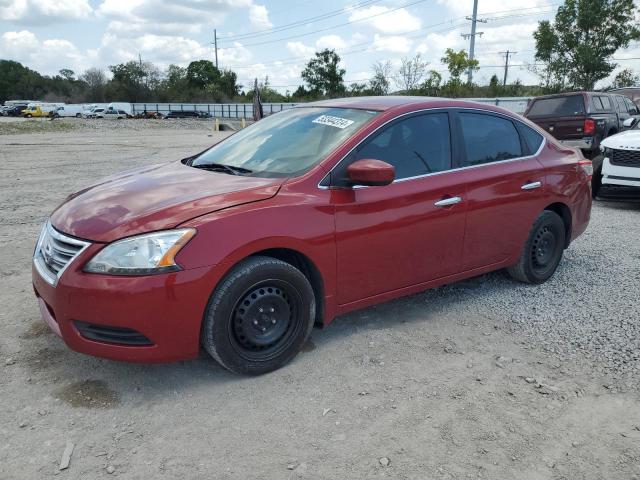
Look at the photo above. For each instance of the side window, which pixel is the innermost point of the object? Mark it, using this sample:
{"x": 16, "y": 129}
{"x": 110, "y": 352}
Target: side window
{"x": 415, "y": 146}
{"x": 489, "y": 138}
{"x": 532, "y": 138}
{"x": 631, "y": 107}
{"x": 597, "y": 103}
{"x": 606, "y": 103}
{"x": 620, "y": 105}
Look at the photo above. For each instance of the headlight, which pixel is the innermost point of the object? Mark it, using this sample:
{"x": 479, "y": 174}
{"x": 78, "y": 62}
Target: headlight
{"x": 141, "y": 255}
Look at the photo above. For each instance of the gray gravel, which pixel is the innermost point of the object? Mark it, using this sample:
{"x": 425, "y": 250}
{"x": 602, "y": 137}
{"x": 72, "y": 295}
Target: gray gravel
{"x": 590, "y": 309}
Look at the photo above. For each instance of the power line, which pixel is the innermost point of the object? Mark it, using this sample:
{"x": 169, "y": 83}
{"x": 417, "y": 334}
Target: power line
{"x": 298, "y": 23}
{"x": 266, "y": 42}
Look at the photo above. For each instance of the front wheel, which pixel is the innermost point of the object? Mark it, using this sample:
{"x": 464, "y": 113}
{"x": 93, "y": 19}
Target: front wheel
{"x": 542, "y": 251}
{"x": 259, "y": 316}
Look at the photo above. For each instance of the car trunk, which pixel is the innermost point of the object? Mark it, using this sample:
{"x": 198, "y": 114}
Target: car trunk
{"x": 562, "y": 128}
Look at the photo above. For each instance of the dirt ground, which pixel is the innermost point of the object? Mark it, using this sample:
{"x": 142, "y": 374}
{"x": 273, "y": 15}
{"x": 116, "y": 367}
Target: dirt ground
{"x": 440, "y": 385}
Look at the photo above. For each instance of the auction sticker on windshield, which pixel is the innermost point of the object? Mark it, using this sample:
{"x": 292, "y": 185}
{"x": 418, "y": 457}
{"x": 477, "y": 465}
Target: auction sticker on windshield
{"x": 333, "y": 121}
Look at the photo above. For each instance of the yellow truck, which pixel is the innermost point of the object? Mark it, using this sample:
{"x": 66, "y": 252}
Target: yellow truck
{"x": 38, "y": 111}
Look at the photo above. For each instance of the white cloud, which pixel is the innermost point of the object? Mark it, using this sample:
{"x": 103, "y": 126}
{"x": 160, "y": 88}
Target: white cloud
{"x": 330, "y": 41}
{"x": 397, "y": 21}
{"x": 259, "y": 17}
{"x": 299, "y": 49}
{"x": 395, "y": 44}
{"x": 34, "y": 12}
{"x": 48, "y": 56}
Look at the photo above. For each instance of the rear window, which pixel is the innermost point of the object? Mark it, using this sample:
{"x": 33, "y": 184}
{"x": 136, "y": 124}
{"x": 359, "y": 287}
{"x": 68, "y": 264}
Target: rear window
{"x": 606, "y": 103}
{"x": 532, "y": 138}
{"x": 557, "y": 107}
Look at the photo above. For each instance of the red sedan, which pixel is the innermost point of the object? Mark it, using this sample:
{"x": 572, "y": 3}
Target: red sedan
{"x": 307, "y": 214}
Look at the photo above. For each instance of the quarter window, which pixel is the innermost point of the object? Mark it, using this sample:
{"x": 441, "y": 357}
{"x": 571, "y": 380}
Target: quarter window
{"x": 489, "y": 138}
{"x": 414, "y": 146}
{"x": 533, "y": 138}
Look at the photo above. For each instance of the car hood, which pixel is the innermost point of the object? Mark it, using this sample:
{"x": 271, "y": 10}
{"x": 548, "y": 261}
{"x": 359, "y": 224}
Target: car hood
{"x": 153, "y": 198}
{"x": 628, "y": 140}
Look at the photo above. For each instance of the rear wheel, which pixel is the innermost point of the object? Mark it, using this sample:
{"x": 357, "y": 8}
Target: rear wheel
{"x": 542, "y": 251}
{"x": 259, "y": 316}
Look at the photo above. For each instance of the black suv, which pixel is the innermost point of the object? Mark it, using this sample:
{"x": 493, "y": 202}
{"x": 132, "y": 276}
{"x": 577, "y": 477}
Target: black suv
{"x": 187, "y": 114}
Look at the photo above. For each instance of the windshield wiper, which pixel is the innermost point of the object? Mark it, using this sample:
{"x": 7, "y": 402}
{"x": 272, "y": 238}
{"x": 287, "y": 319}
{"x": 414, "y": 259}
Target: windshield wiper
{"x": 221, "y": 167}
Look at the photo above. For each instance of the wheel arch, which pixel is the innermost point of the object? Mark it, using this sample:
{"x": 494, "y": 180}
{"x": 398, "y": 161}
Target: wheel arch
{"x": 564, "y": 212}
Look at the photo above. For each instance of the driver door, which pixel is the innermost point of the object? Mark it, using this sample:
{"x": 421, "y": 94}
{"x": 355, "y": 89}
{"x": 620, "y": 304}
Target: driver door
{"x": 408, "y": 232}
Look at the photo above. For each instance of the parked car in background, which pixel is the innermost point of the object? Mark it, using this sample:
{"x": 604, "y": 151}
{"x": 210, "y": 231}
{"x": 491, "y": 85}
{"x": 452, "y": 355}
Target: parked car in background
{"x": 187, "y": 114}
{"x": 111, "y": 113}
{"x": 307, "y": 214}
{"x": 14, "y": 110}
{"x": 39, "y": 111}
{"x": 582, "y": 119}
{"x": 121, "y": 106}
{"x": 69, "y": 111}
{"x": 94, "y": 112}
{"x": 617, "y": 171}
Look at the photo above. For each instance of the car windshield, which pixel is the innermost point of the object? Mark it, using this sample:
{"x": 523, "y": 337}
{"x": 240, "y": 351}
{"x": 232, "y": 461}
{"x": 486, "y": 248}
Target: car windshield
{"x": 288, "y": 143}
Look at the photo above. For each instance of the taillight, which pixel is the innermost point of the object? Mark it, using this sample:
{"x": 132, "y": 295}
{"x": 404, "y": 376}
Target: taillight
{"x": 587, "y": 167}
{"x": 589, "y": 126}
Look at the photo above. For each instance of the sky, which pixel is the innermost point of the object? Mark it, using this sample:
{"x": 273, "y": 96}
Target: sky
{"x": 274, "y": 38}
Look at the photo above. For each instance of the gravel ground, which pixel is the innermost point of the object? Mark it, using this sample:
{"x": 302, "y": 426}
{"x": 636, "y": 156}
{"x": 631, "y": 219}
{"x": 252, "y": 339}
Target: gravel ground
{"x": 485, "y": 378}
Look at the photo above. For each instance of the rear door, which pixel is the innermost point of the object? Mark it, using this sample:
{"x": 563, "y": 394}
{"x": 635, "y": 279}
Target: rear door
{"x": 621, "y": 108}
{"x": 504, "y": 184}
{"x": 563, "y": 117}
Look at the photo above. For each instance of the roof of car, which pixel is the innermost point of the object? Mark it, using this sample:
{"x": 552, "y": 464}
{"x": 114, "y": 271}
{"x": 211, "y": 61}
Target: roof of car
{"x": 389, "y": 102}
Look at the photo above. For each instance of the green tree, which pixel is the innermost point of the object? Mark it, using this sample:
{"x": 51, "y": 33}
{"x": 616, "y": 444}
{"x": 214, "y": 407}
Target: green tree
{"x": 626, "y": 78}
{"x": 128, "y": 81}
{"x": 323, "y": 75}
{"x": 494, "y": 86}
{"x": 431, "y": 86}
{"x": 458, "y": 63}
{"x": 202, "y": 74}
{"x": 67, "y": 74}
{"x": 577, "y": 48}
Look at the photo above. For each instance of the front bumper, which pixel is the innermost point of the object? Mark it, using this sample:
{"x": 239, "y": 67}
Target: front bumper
{"x": 619, "y": 182}
{"x": 586, "y": 143}
{"x": 167, "y": 309}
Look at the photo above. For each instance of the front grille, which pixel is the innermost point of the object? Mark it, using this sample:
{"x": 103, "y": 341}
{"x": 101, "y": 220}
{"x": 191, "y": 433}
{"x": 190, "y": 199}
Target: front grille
{"x": 625, "y": 158}
{"x": 54, "y": 252}
{"x": 115, "y": 335}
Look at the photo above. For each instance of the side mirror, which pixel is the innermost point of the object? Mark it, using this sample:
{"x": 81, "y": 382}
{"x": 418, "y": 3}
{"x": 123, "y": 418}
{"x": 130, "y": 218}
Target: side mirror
{"x": 371, "y": 173}
{"x": 629, "y": 122}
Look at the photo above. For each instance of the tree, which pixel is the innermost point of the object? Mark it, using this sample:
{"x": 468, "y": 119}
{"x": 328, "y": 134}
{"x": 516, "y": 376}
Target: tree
{"x": 431, "y": 86}
{"x": 577, "y": 48}
{"x": 67, "y": 74}
{"x": 323, "y": 75}
{"x": 626, "y": 78}
{"x": 379, "y": 84}
{"x": 202, "y": 73}
{"x": 494, "y": 86}
{"x": 410, "y": 73}
{"x": 458, "y": 63}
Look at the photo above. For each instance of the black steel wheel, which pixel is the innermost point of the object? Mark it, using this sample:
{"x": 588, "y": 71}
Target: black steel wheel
{"x": 542, "y": 251}
{"x": 259, "y": 316}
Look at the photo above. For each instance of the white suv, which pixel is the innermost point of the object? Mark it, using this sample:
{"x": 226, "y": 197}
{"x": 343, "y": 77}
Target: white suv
{"x": 619, "y": 174}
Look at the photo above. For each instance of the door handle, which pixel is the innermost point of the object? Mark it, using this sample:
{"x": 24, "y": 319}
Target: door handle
{"x": 531, "y": 186}
{"x": 447, "y": 202}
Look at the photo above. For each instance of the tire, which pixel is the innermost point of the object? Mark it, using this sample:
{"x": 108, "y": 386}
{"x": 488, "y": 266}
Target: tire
{"x": 78, "y": 115}
{"x": 542, "y": 251}
{"x": 28, "y": 115}
{"x": 596, "y": 180}
{"x": 259, "y": 316}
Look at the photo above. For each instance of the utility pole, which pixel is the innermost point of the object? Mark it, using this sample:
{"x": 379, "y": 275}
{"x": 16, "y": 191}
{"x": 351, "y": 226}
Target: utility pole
{"x": 472, "y": 36}
{"x": 506, "y": 65}
{"x": 215, "y": 44}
